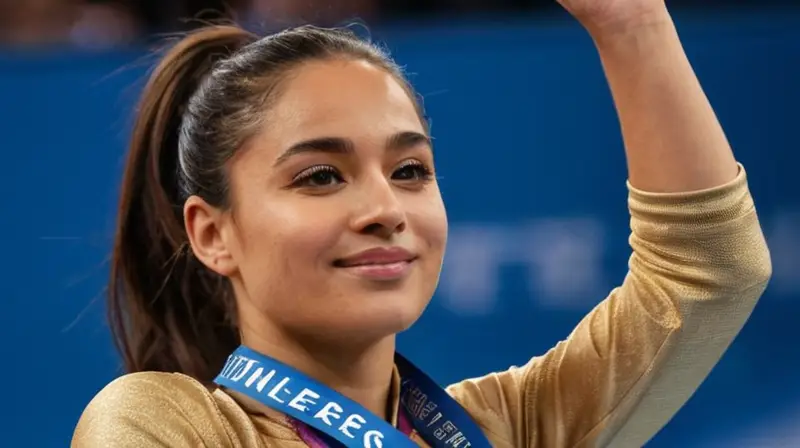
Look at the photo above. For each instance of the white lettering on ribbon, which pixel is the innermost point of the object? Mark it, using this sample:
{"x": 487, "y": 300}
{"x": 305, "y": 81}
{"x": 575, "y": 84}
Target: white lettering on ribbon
{"x": 354, "y": 421}
{"x": 422, "y": 408}
{"x": 300, "y": 401}
{"x": 373, "y": 439}
{"x": 242, "y": 372}
{"x": 306, "y": 400}
{"x": 331, "y": 409}
{"x": 278, "y": 388}
{"x": 263, "y": 379}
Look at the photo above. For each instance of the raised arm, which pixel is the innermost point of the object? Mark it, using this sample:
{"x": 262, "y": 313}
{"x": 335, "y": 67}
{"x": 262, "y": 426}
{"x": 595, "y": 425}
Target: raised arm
{"x": 673, "y": 140}
{"x": 698, "y": 267}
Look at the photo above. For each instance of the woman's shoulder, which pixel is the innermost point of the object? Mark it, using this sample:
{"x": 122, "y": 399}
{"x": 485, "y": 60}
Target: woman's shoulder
{"x": 151, "y": 391}
{"x": 132, "y": 384}
{"x": 155, "y": 386}
{"x": 158, "y": 409}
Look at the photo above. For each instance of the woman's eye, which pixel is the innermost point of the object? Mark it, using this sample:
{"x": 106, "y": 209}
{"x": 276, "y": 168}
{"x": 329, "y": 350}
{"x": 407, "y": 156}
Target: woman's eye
{"x": 413, "y": 171}
{"x": 318, "y": 176}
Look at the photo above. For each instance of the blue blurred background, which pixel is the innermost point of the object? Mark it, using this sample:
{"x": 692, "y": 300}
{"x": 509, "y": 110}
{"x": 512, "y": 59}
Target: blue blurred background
{"x": 533, "y": 177}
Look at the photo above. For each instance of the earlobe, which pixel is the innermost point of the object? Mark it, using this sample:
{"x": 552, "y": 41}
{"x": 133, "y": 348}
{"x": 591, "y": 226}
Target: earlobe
{"x": 204, "y": 228}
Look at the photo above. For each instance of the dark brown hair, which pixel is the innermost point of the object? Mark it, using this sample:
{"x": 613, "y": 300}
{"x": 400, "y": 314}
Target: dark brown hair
{"x": 206, "y": 97}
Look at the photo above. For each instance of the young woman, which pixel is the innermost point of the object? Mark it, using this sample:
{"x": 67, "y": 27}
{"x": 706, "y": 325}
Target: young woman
{"x": 279, "y": 194}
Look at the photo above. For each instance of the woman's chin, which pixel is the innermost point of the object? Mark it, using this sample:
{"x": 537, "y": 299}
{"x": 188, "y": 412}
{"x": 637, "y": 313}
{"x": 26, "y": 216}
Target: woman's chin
{"x": 364, "y": 325}
{"x": 382, "y": 323}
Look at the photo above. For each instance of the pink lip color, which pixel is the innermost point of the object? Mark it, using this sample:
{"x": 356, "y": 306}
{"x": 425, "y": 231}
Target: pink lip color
{"x": 389, "y": 271}
{"x": 379, "y": 263}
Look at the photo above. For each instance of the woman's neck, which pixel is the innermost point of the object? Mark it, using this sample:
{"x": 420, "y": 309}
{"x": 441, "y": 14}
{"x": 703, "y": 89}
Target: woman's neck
{"x": 362, "y": 374}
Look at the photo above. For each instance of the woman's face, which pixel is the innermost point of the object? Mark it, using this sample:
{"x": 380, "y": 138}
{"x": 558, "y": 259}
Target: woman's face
{"x": 338, "y": 228}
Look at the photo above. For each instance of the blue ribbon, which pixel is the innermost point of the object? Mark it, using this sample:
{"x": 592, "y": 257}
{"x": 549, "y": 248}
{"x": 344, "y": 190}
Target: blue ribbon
{"x": 436, "y": 416}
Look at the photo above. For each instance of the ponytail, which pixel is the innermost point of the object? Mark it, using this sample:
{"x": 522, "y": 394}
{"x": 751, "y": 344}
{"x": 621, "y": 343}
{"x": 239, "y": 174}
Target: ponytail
{"x": 166, "y": 310}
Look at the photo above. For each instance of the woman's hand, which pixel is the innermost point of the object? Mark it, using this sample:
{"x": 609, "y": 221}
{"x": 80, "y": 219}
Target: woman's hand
{"x": 613, "y": 16}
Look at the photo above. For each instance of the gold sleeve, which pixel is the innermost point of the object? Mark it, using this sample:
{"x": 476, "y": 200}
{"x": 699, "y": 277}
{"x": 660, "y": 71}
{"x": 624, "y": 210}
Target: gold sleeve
{"x": 699, "y": 265}
{"x": 151, "y": 409}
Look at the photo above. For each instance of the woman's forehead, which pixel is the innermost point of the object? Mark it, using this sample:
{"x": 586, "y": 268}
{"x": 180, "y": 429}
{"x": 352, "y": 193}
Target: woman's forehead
{"x": 330, "y": 97}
